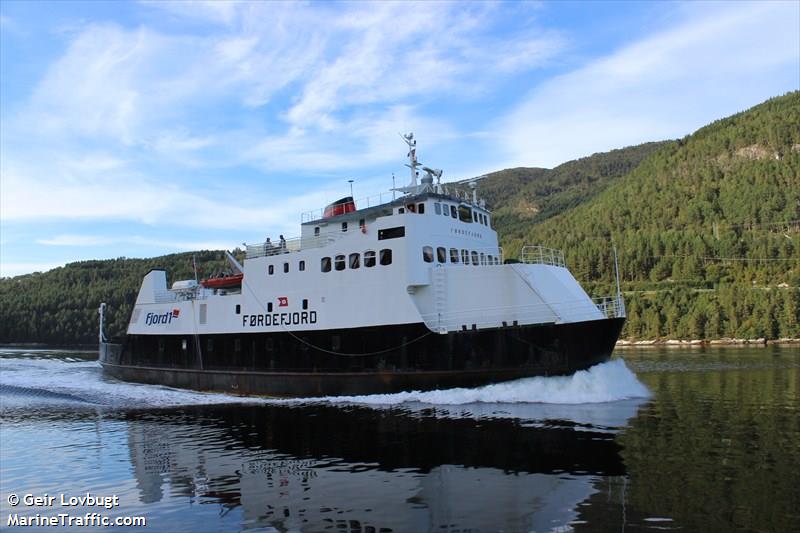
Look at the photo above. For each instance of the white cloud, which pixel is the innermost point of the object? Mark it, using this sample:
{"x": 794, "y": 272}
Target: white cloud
{"x": 722, "y": 59}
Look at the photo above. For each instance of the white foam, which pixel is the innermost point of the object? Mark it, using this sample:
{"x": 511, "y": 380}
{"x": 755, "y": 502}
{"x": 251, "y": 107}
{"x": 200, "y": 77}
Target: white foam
{"x": 84, "y": 380}
{"x": 607, "y": 382}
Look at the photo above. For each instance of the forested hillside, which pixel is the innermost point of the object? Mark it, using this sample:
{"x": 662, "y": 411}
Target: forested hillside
{"x": 521, "y": 197}
{"x": 707, "y": 230}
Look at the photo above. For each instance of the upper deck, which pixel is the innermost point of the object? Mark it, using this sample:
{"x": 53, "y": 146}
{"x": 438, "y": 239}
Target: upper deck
{"x": 324, "y": 231}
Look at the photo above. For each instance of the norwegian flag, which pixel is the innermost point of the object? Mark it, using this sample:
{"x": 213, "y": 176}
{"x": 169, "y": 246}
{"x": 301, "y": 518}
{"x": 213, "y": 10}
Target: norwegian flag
{"x": 283, "y": 301}
{"x": 176, "y": 313}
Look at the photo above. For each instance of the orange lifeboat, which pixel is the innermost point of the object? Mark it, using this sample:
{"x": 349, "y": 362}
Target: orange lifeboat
{"x": 234, "y": 280}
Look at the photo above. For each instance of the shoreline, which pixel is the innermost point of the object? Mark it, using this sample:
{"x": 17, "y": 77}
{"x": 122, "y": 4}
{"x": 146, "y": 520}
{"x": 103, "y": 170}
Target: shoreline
{"x": 696, "y": 343}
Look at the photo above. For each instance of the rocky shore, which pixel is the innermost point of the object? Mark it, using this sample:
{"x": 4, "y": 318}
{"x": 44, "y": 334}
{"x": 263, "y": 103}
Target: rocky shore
{"x": 626, "y": 343}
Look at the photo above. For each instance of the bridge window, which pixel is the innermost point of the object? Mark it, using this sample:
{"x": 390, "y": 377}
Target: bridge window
{"x": 344, "y": 226}
{"x": 369, "y": 258}
{"x": 464, "y": 213}
{"x": 437, "y": 208}
{"x": 475, "y": 258}
{"x": 316, "y": 231}
{"x": 421, "y": 209}
{"x": 339, "y": 262}
{"x": 427, "y": 254}
{"x": 453, "y": 212}
{"x": 483, "y": 258}
{"x": 386, "y": 256}
{"x": 325, "y": 264}
{"x": 453, "y": 255}
{"x": 355, "y": 261}
{"x": 465, "y": 257}
{"x": 441, "y": 254}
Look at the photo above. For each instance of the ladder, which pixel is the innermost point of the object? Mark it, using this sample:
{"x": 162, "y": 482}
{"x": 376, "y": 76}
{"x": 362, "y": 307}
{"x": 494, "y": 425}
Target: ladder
{"x": 439, "y": 276}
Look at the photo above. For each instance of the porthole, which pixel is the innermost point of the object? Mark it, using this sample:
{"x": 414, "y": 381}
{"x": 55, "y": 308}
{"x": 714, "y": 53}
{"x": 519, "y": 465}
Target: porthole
{"x": 325, "y": 264}
{"x": 369, "y": 259}
{"x": 453, "y": 255}
{"x": 354, "y": 261}
{"x": 386, "y": 256}
{"x": 338, "y": 262}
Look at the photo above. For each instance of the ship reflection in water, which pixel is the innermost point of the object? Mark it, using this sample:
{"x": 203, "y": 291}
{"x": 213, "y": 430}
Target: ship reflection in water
{"x": 317, "y": 467}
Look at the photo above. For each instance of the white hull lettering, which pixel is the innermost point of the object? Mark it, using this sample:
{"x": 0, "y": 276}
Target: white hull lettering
{"x": 280, "y": 319}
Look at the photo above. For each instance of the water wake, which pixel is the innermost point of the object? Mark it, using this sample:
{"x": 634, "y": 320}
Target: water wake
{"x": 50, "y": 380}
{"x": 607, "y": 382}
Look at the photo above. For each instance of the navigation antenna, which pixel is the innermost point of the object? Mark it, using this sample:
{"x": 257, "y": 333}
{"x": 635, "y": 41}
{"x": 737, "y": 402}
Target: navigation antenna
{"x": 412, "y": 157}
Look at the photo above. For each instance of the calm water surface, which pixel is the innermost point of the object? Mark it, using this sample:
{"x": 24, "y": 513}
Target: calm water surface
{"x": 690, "y": 440}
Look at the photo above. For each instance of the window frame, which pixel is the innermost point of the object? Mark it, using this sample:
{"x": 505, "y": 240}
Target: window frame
{"x": 326, "y": 264}
{"x": 370, "y": 258}
{"x": 350, "y": 262}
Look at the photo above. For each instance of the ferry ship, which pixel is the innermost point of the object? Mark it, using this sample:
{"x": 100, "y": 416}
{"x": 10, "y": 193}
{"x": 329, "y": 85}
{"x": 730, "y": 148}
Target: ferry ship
{"x": 413, "y": 293}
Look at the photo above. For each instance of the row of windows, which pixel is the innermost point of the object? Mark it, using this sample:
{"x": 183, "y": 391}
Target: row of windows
{"x": 361, "y": 224}
{"x": 462, "y": 212}
{"x": 465, "y": 257}
{"x": 269, "y": 308}
{"x": 301, "y": 266}
{"x": 353, "y": 261}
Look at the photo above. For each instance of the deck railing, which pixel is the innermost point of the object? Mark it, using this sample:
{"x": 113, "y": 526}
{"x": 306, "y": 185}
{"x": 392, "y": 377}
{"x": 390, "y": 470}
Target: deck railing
{"x": 541, "y": 255}
{"x": 294, "y": 244}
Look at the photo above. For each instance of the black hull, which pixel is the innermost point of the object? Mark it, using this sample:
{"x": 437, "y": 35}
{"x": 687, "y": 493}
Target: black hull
{"x": 360, "y": 361}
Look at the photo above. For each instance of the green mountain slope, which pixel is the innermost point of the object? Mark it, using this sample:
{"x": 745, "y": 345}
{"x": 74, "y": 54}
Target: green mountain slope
{"x": 520, "y": 197}
{"x": 707, "y": 229}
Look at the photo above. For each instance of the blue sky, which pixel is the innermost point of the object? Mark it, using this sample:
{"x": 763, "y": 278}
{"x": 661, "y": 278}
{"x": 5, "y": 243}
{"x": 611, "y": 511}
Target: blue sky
{"x": 142, "y": 128}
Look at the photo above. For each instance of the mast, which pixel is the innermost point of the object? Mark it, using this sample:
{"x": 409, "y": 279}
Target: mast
{"x": 412, "y": 157}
